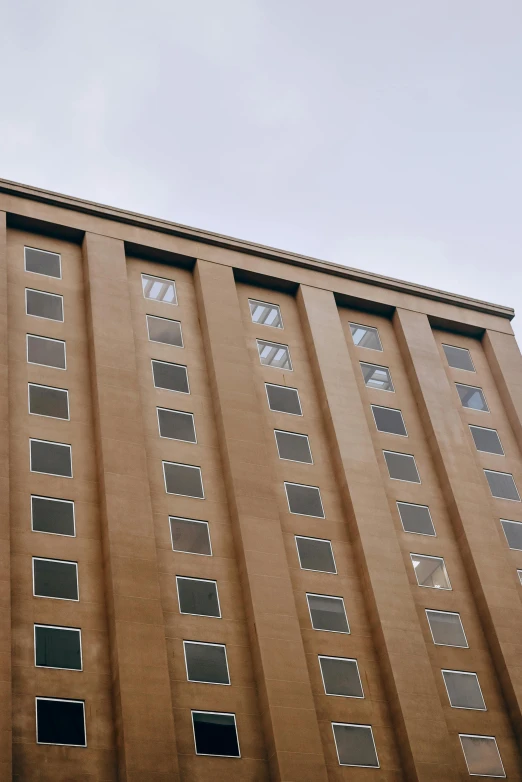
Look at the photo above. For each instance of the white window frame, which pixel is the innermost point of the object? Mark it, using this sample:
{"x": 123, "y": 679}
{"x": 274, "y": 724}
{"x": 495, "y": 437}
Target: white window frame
{"x": 345, "y": 659}
{"x": 266, "y": 304}
{"x": 431, "y": 556}
{"x": 47, "y": 252}
{"x": 53, "y": 499}
{"x": 456, "y": 347}
{"x": 62, "y": 700}
{"x": 379, "y": 366}
{"x": 519, "y": 573}
{"x": 206, "y": 643}
{"x": 473, "y": 409}
{"x": 51, "y": 442}
{"x": 170, "y": 364}
{"x": 65, "y": 562}
{"x": 416, "y": 505}
{"x": 454, "y": 613}
{"x": 495, "y": 496}
{"x": 369, "y": 328}
{"x": 208, "y": 581}
{"x": 171, "y": 320}
{"x": 320, "y": 629}
{"x": 320, "y": 540}
{"x": 160, "y": 279}
{"x": 45, "y": 293}
{"x": 59, "y": 627}
{"x": 488, "y": 429}
{"x": 355, "y": 725}
{"x": 463, "y": 673}
{"x": 182, "y": 464}
{"x": 480, "y": 736}
{"x": 307, "y": 486}
{"x": 194, "y": 521}
{"x": 51, "y": 388}
{"x": 295, "y": 434}
{"x": 510, "y": 521}
{"x": 402, "y": 480}
{"x": 395, "y": 410}
{"x": 177, "y": 439}
{"x": 48, "y": 339}
{"x": 290, "y": 388}
{"x": 278, "y": 345}
{"x": 223, "y": 713}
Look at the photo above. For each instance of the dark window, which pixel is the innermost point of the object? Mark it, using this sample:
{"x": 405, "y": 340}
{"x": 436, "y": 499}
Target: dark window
{"x": 355, "y": 745}
{"x": 44, "y": 305}
{"x": 165, "y": 330}
{"x": 502, "y": 485}
{"x": 446, "y": 628}
{"x": 48, "y": 401}
{"x": 47, "y": 352}
{"x": 482, "y": 755}
{"x": 272, "y": 354}
{"x": 159, "y": 289}
{"x": 315, "y": 554}
{"x": 183, "y": 479}
{"x": 472, "y": 397}
{"x": 401, "y": 467}
{"x": 365, "y": 336}
{"x": 51, "y": 458}
{"x": 389, "y": 420}
{"x": 265, "y": 314}
{"x": 215, "y": 734}
{"x": 416, "y": 518}
{"x": 486, "y": 440}
{"x": 190, "y": 536}
{"x": 304, "y": 500}
{"x": 60, "y": 722}
{"x": 55, "y": 578}
{"x": 459, "y": 358}
{"x": 463, "y": 690}
{"x": 172, "y": 377}
{"x": 294, "y": 447}
{"x": 57, "y": 647}
{"x": 198, "y": 596}
{"x": 377, "y": 377}
{"x": 43, "y": 262}
{"x": 513, "y": 533}
{"x": 206, "y": 663}
{"x": 282, "y": 399}
{"x": 328, "y": 613}
{"x": 176, "y": 425}
{"x": 54, "y": 516}
{"x": 341, "y": 677}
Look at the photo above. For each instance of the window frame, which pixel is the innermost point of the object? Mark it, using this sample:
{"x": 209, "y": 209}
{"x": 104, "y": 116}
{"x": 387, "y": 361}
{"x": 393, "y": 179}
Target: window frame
{"x": 206, "y": 643}
{"x": 48, "y": 339}
{"x": 379, "y": 366}
{"x": 477, "y": 388}
{"x": 431, "y": 556}
{"x": 62, "y": 700}
{"x": 207, "y": 580}
{"x": 290, "y": 388}
{"x": 308, "y": 486}
{"x": 51, "y": 388}
{"x": 495, "y": 496}
{"x": 488, "y": 429}
{"x": 416, "y": 505}
{"x": 45, "y": 293}
{"x": 162, "y": 279}
{"x": 346, "y": 659}
{"x": 395, "y": 410}
{"x": 320, "y": 629}
{"x": 510, "y": 521}
{"x": 171, "y": 364}
{"x": 47, "y": 252}
{"x": 355, "y": 725}
{"x": 369, "y": 328}
{"x": 279, "y": 345}
{"x": 51, "y": 442}
{"x": 321, "y": 540}
{"x": 53, "y": 499}
{"x": 454, "y": 613}
{"x": 194, "y": 521}
{"x": 65, "y": 562}
{"x": 171, "y": 320}
{"x": 463, "y": 673}
{"x": 403, "y": 480}
{"x": 456, "y": 347}
{"x": 519, "y": 573}
{"x": 266, "y": 304}
{"x": 59, "y": 627}
{"x": 182, "y": 464}
{"x": 223, "y": 713}
{"x": 481, "y": 736}
{"x": 295, "y": 434}
{"x": 177, "y": 439}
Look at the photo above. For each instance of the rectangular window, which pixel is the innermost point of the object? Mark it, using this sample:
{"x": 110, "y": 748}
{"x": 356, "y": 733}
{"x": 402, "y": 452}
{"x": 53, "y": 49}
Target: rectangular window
{"x": 458, "y": 358}
{"x": 315, "y": 554}
{"x": 304, "y": 500}
{"x": 215, "y": 733}
{"x": 377, "y": 377}
{"x": 58, "y": 647}
{"x": 44, "y": 305}
{"x": 265, "y": 314}
{"x": 446, "y": 628}
{"x": 282, "y": 399}
{"x": 164, "y": 330}
{"x": 51, "y": 458}
{"x": 271, "y": 354}
{"x": 159, "y": 289}
{"x": 365, "y": 336}
{"x": 46, "y": 352}
{"x": 430, "y": 571}
{"x": 355, "y": 745}
{"x": 190, "y": 536}
{"x": 198, "y": 596}
{"x": 401, "y": 467}
{"x": 416, "y": 518}
{"x": 184, "y": 480}
{"x": 341, "y": 677}
{"x": 328, "y": 613}
{"x": 519, "y": 575}
{"x": 48, "y": 401}
{"x": 513, "y": 533}
{"x": 43, "y": 262}
{"x": 171, "y": 377}
{"x": 389, "y": 420}
{"x": 55, "y": 517}
{"x": 486, "y": 440}
{"x": 293, "y": 447}
{"x": 206, "y": 663}
{"x": 502, "y": 485}
{"x": 472, "y": 397}
{"x": 481, "y": 755}
{"x": 60, "y": 721}
{"x": 55, "y": 578}
{"x": 176, "y": 425}
{"x": 463, "y": 690}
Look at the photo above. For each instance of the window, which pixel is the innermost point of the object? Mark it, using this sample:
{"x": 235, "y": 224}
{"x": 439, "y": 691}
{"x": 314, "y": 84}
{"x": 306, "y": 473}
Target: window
{"x": 315, "y": 554}
{"x": 502, "y": 485}
{"x": 463, "y": 690}
{"x": 519, "y": 575}
{"x": 265, "y": 314}
{"x": 171, "y": 377}
{"x": 389, "y": 420}
{"x": 44, "y": 305}
{"x": 48, "y": 401}
{"x": 430, "y": 571}
{"x": 513, "y": 533}
{"x": 328, "y": 613}
{"x": 304, "y": 500}
{"x": 446, "y": 628}
{"x": 377, "y": 377}
{"x": 46, "y": 352}
{"x": 282, "y": 399}
{"x": 60, "y": 721}
{"x": 416, "y": 518}
{"x": 53, "y": 516}
{"x": 355, "y": 745}
{"x": 176, "y": 425}
{"x": 341, "y": 677}
{"x": 206, "y": 663}
{"x": 472, "y": 397}
{"x": 159, "y": 289}
{"x": 165, "y": 330}
{"x": 486, "y": 440}
{"x": 43, "y": 262}
{"x": 55, "y": 578}
{"x": 198, "y": 596}
{"x": 293, "y": 447}
{"x": 482, "y": 755}
{"x": 183, "y": 479}
{"x": 401, "y": 467}
{"x": 365, "y": 336}
{"x": 459, "y": 358}
{"x": 190, "y": 536}
{"x": 58, "y": 647}
{"x": 271, "y": 354}
{"x": 215, "y": 733}
{"x": 51, "y": 458}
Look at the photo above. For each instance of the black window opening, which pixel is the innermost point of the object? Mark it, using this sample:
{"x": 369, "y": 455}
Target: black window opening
{"x": 282, "y": 399}
{"x": 55, "y": 578}
{"x": 416, "y": 518}
{"x": 206, "y": 663}
{"x": 48, "y": 401}
{"x": 176, "y": 425}
{"x": 341, "y": 677}
{"x": 215, "y": 734}
{"x": 328, "y": 613}
{"x": 60, "y": 721}
{"x": 170, "y": 377}
{"x": 190, "y": 536}
{"x": 41, "y": 304}
{"x": 304, "y": 500}
{"x": 53, "y": 516}
{"x": 293, "y": 447}
{"x": 46, "y": 352}
{"x": 43, "y": 262}
{"x": 198, "y": 596}
{"x": 183, "y": 479}
{"x": 58, "y": 647}
{"x": 315, "y": 554}
{"x": 389, "y": 420}
{"x": 51, "y": 458}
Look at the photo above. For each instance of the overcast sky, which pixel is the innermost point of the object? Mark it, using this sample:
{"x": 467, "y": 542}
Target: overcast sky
{"x": 382, "y": 135}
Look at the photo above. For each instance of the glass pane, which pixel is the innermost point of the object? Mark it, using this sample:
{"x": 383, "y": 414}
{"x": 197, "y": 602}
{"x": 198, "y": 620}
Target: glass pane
{"x": 513, "y": 533}
{"x": 365, "y": 336}
{"x": 482, "y": 756}
{"x": 265, "y": 314}
{"x": 463, "y": 690}
{"x": 272, "y": 354}
{"x": 158, "y": 289}
{"x": 172, "y": 377}
{"x": 401, "y": 467}
{"x": 486, "y": 440}
{"x": 502, "y": 485}
{"x": 519, "y": 575}
{"x": 215, "y": 734}
{"x": 190, "y": 536}
{"x": 341, "y": 677}
{"x": 49, "y": 352}
{"x": 459, "y": 358}
{"x": 430, "y": 571}
{"x": 198, "y": 596}
{"x": 377, "y": 377}
{"x": 416, "y": 518}
{"x": 52, "y": 402}
{"x": 166, "y": 331}
{"x": 60, "y": 722}
{"x": 328, "y": 613}
{"x": 183, "y": 479}
{"x": 446, "y": 629}
{"x": 315, "y": 554}
{"x": 53, "y": 578}
{"x": 206, "y": 663}
{"x": 42, "y": 262}
{"x": 44, "y": 305}
{"x": 389, "y": 420}
{"x": 472, "y": 397}
{"x": 51, "y": 458}
{"x": 294, "y": 447}
{"x": 57, "y": 647}
{"x": 54, "y": 516}
{"x": 355, "y": 746}
{"x": 304, "y": 500}
{"x": 283, "y": 400}
{"x": 176, "y": 425}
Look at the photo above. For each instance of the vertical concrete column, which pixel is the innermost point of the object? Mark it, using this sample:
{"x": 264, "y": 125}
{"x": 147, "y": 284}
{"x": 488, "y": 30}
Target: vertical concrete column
{"x": 290, "y": 723}
{"x": 491, "y": 575}
{"x": 141, "y": 686}
{"x": 505, "y": 362}
{"x": 418, "y": 717}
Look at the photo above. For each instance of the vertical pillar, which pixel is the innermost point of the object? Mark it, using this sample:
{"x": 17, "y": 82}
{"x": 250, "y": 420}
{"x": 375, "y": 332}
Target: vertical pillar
{"x": 491, "y": 576}
{"x": 422, "y": 734}
{"x": 141, "y": 686}
{"x": 289, "y": 718}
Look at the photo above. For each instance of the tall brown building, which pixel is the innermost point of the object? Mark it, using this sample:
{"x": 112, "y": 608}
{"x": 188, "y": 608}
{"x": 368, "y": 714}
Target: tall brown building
{"x": 260, "y": 514}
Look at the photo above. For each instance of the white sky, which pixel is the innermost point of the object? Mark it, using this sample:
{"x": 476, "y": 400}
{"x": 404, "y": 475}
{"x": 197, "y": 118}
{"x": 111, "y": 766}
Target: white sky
{"x": 382, "y": 135}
